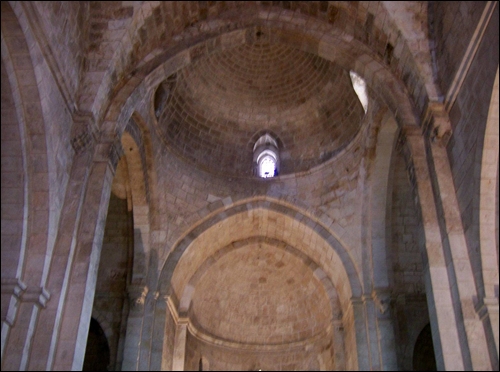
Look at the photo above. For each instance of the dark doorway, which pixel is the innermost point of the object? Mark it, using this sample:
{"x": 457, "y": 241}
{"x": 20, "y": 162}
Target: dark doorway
{"x": 423, "y": 353}
{"x": 97, "y": 352}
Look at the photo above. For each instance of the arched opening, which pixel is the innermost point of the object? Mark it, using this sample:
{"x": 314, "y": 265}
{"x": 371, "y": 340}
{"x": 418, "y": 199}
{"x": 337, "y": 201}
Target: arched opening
{"x": 423, "y": 352}
{"x": 97, "y": 355}
{"x": 266, "y": 156}
{"x": 253, "y": 264}
{"x": 162, "y": 94}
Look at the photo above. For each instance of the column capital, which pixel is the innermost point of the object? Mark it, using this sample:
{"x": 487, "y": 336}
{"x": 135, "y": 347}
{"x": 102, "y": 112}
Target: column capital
{"x": 12, "y": 286}
{"x": 436, "y": 124}
{"x": 137, "y": 297}
{"x": 382, "y": 298}
{"x": 83, "y": 131}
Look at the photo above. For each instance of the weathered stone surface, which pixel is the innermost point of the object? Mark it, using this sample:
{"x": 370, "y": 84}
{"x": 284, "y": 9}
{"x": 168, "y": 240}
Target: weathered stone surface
{"x": 130, "y": 194}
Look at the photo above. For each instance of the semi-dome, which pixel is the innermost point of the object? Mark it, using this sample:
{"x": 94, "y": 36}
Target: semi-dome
{"x": 264, "y": 295}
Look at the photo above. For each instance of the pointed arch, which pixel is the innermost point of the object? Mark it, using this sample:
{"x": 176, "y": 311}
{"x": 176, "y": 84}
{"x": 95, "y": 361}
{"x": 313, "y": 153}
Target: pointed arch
{"x": 488, "y": 208}
{"x": 30, "y": 250}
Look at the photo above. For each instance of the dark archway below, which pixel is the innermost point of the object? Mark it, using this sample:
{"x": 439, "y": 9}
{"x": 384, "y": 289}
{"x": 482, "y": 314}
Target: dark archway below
{"x": 423, "y": 353}
{"x": 97, "y": 352}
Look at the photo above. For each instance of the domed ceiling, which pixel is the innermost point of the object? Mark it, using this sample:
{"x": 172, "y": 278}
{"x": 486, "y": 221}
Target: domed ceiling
{"x": 260, "y": 294}
{"x": 218, "y": 105}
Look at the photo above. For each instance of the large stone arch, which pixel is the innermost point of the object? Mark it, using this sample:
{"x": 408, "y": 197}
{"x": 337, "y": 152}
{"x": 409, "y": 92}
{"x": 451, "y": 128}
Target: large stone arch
{"x": 334, "y": 251}
{"x": 324, "y": 39}
{"x": 316, "y": 30}
{"x": 138, "y": 204}
{"x": 332, "y": 331}
{"x": 488, "y": 215}
{"x": 276, "y": 221}
{"x": 33, "y": 257}
{"x": 488, "y": 196}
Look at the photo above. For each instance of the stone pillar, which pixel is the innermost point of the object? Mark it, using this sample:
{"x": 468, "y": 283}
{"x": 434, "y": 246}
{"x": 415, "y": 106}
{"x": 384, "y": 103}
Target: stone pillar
{"x": 159, "y": 332}
{"x": 29, "y": 301}
{"x": 360, "y": 330}
{"x": 180, "y": 344}
{"x": 374, "y": 358}
{"x": 11, "y": 289}
{"x": 338, "y": 346}
{"x": 385, "y": 329}
{"x": 137, "y": 297}
{"x": 487, "y": 310}
{"x": 46, "y": 335}
{"x": 75, "y": 311}
{"x": 445, "y": 334}
{"x": 463, "y": 290}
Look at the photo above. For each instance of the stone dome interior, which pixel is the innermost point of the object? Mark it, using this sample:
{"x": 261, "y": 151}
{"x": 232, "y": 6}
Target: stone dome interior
{"x": 215, "y": 107}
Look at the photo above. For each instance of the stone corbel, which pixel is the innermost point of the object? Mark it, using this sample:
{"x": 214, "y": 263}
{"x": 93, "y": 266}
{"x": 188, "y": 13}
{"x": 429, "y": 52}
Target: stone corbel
{"x": 137, "y": 297}
{"x": 437, "y": 125}
{"x": 83, "y": 132}
{"x": 382, "y": 299}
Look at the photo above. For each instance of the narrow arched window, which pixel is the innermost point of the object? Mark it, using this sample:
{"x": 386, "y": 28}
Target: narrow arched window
{"x": 266, "y": 156}
{"x": 359, "y": 86}
{"x": 267, "y": 164}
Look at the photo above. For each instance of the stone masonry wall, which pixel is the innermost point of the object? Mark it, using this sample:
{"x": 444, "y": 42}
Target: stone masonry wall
{"x": 64, "y": 24}
{"x": 405, "y": 254}
{"x": 409, "y": 303}
{"x": 454, "y": 23}
{"x": 186, "y": 194}
{"x": 468, "y": 117}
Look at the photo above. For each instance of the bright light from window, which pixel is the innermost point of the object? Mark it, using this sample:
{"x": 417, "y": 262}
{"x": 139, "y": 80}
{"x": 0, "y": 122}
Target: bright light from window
{"x": 359, "y": 86}
{"x": 267, "y": 166}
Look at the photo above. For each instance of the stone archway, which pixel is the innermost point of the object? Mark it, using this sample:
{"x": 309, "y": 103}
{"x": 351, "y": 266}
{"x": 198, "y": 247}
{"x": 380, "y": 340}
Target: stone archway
{"x": 242, "y": 230}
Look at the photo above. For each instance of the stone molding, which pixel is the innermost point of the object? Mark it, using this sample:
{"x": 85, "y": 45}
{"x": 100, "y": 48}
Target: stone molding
{"x": 23, "y": 293}
{"x": 486, "y": 306}
{"x": 39, "y": 296}
{"x": 14, "y": 288}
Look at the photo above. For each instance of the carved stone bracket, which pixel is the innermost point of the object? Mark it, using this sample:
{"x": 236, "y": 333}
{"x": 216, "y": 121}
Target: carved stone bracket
{"x": 83, "y": 132}
{"x": 137, "y": 296}
{"x": 382, "y": 299}
{"x": 437, "y": 125}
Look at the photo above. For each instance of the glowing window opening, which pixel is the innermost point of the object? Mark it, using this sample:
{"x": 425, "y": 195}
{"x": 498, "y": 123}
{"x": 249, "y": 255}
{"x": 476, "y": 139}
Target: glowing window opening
{"x": 267, "y": 167}
{"x": 359, "y": 86}
{"x": 267, "y": 164}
